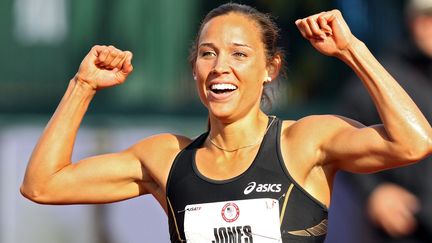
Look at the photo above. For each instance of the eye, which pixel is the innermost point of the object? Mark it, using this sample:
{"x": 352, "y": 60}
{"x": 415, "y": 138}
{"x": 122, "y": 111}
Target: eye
{"x": 240, "y": 54}
{"x": 207, "y": 54}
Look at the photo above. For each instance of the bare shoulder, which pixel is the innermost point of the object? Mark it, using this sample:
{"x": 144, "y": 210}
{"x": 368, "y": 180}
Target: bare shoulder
{"x": 160, "y": 145}
{"x": 164, "y": 140}
{"x": 318, "y": 125}
{"x": 308, "y": 136}
{"x": 157, "y": 154}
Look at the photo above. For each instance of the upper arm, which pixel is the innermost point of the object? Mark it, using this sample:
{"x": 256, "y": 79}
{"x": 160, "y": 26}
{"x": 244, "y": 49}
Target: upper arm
{"x": 98, "y": 179}
{"x": 348, "y": 145}
{"x": 354, "y": 147}
{"x": 112, "y": 177}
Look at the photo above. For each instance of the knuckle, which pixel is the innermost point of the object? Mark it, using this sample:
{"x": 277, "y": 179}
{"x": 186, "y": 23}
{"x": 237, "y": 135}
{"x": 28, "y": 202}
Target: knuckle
{"x": 303, "y": 23}
{"x": 121, "y": 54}
{"x": 105, "y": 50}
{"x": 96, "y": 48}
{"x": 112, "y": 53}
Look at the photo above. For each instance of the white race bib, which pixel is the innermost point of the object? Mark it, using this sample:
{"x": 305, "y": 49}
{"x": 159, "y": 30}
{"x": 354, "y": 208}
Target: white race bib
{"x": 242, "y": 221}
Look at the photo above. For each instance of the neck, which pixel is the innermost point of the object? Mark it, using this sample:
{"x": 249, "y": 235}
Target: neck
{"x": 241, "y": 133}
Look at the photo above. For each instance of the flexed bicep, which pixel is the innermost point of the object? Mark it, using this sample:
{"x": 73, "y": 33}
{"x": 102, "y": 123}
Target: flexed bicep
{"x": 50, "y": 173}
{"x": 98, "y": 179}
{"x": 354, "y": 147}
{"x": 141, "y": 169}
{"x": 405, "y": 135}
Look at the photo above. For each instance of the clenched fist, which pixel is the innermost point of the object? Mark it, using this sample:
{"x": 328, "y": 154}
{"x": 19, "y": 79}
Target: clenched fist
{"x": 104, "y": 66}
{"x": 327, "y": 32}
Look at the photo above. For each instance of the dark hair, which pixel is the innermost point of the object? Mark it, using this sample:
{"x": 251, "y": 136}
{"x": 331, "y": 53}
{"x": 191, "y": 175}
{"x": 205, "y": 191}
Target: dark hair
{"x": 269, "y": 37}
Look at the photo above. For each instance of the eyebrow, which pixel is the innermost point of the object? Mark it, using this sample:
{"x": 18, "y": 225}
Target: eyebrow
{"x": 206, "y": 44}
{"x": 209, "y": 44}
{"x": 241, "y": 44}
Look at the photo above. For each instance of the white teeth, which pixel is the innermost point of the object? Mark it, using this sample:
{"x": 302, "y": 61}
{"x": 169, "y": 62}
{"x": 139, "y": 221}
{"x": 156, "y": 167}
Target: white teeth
{"x": 223, "y": 87}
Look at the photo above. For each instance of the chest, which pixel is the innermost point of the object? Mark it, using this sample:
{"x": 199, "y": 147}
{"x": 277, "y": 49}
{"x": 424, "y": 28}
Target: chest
{"x": 218, "y": 165}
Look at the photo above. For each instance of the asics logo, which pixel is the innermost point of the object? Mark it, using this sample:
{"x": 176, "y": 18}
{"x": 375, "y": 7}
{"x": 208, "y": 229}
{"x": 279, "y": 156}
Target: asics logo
{"x": 253, "y": 186}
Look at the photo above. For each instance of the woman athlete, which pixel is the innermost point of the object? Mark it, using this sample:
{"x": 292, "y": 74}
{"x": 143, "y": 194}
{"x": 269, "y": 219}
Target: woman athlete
{"x": 251, "y": 177}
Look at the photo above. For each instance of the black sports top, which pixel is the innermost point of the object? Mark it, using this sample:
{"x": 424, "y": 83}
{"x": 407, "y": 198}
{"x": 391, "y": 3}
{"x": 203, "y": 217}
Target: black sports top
{"x": 302, "y": 217}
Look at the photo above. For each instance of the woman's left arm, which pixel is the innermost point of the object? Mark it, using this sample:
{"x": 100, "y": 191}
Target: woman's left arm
{"x": 405, "y": 135}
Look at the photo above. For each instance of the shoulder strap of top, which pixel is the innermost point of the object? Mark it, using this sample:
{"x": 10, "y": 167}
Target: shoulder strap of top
{"x": 197, "y": 142}
{"x": 183, "y": 158}
{"x": 271, "y": 135}
{"x": 268, "y": 148}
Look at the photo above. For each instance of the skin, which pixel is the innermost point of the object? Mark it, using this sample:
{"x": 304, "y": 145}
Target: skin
{"x": 391, "y": 206}
{"x": 421, "y": 30}
{"x": 230, "y": 51}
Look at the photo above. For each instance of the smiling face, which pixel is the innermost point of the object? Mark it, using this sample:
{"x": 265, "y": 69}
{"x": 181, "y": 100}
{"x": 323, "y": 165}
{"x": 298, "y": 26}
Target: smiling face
{"x": 230, "y": 66}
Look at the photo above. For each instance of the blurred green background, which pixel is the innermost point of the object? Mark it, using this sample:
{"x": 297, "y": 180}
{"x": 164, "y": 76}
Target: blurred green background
{"x": 43, "y": 41}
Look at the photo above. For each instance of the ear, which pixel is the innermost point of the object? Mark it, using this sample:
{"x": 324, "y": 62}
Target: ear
{"x": 273, "y": 67}
{"x": 194, "y": 73}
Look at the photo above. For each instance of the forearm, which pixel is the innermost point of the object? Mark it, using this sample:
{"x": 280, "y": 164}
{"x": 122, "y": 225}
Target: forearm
{"x": 404, "y": 123}
{"x": 54, "y": 148}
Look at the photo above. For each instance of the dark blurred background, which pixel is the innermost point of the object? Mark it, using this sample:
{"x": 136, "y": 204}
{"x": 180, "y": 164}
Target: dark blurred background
{"x": 42, "y": 43}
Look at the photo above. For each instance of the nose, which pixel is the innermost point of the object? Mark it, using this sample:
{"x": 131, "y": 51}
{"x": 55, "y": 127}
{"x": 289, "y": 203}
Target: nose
{"x": 221, "y": 64}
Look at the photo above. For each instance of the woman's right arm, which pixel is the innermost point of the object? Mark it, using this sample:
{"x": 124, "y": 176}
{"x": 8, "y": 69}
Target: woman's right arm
{"x": 51, "y": 177}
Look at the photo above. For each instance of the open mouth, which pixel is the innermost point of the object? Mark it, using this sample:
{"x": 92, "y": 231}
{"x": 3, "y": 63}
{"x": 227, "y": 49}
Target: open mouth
{"x": 222, "y": 88}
